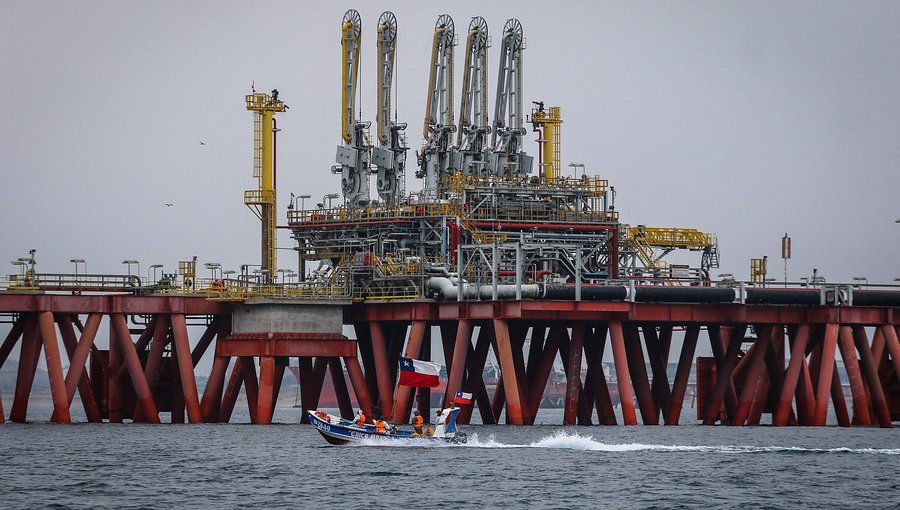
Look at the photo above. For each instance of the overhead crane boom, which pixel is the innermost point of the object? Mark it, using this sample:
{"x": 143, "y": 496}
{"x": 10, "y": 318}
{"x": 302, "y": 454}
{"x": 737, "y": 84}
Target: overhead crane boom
{"x": 506, "y": 138}
{"x": 354, "y": 154}
{"x": 390, "y": 154}
{"x": 470, "y": 153}
{"x": 434, "y": 158}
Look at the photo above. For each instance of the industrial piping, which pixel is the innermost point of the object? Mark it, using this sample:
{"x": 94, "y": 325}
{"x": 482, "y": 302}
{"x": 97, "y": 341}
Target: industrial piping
{"x": 446, "y": 287}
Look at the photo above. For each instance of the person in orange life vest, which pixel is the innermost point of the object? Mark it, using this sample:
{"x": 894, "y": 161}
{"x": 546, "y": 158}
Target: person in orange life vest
{"x": 360, "y": 419}
{"x": 418, "y": 422}
{"x": 380, "y": 426}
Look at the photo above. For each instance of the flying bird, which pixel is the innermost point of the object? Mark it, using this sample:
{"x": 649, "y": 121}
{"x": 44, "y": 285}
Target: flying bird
{"x": 202, "y": 142}
{"x": 169, "y": 205}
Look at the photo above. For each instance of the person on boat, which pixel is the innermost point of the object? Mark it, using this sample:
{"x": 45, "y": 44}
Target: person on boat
{"x": 360, "y": 420}
{"x": 380, "y": 426}
{"x": 417, "y": 423}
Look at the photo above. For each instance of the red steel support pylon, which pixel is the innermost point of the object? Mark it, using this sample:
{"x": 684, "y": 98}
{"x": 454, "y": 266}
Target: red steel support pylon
{"x": 837, "y": 398}
{"x": 639, "y": 377}
{"x": 186, "y": 368}
{"x": 792, "y": 376}
{"x": 658, "y": 353}
{"x": 724, "y": 383}
{"x": 382, "y": 368}
{"x": 511, "y": 387}
{"x": 474, "y": 384}
{"x": 573, "y": 374}
{"x": 402, "y": 400}
{"x": 826, "y": 372}
{"x": 892, "y": 344}
{"x": 457, "y": 365}
{"x": 265, "y": 401}
{"x": 78, "y": 351}
{"x": 231, "y": 390}
{"x": 133, "y": 364}
{"x": 542, "y": 367}
{"x": 28, "y": 360}
{"x": 212, "y": 393}
{"x": 596, "y": 378}
{"x": 360, "y": 388}
{"x": 764, "y": 337}
{"x": 251, "y": 387}
{"x": 861, "y": 406}
{"x": 623, "y": 377}
{"x": 719, "y": 348}
{"x": 679, "y": 387}
{"x": 341, "y": 392}
{"x": 870, "y": 370}
{"x": 54, "y": 368}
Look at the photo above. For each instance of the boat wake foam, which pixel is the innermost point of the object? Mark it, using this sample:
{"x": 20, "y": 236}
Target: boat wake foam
{"x": 574, "y": 441}
{"x": 402, "y": 442}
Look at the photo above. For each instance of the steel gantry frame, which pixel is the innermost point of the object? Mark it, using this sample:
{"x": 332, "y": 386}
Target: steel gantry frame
{"x": 767, "y": 359}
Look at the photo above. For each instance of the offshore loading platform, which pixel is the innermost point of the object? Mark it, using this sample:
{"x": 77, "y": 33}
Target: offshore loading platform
{"x": 498, "y": 250}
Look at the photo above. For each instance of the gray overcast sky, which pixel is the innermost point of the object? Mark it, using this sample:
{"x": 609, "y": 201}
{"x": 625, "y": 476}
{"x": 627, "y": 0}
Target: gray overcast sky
{"x": 748, "y": 119}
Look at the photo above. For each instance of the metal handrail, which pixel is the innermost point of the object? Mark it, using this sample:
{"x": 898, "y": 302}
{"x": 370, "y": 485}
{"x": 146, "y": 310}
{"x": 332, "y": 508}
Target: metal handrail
{"x": 71, "y": 282}
{"x": 404, "y": 212}
{"x": 677, "y": 237}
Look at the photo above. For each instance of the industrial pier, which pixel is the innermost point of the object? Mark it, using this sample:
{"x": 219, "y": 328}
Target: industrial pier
{"x": 498, "y": 252}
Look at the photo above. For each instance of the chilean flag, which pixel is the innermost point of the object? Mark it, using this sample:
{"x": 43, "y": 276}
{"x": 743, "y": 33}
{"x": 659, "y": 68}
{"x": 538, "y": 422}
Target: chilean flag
{"x": 463, "y": 398}
{"x": 418, "y": 373}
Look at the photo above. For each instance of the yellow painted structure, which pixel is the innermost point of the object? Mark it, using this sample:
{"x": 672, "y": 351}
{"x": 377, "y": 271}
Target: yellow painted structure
{"x": 262, "y": 200}
{"x": 759, "y": 269}
{"x": 550, "y": 121}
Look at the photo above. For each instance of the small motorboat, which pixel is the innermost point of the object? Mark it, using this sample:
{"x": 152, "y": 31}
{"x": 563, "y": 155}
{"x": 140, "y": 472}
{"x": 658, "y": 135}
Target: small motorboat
{"x": 337, "y": 430}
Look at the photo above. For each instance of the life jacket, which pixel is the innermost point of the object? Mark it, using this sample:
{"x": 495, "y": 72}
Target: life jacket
{"x": 361, "y": 421}
{"x": 418, "y": 421}
{"x": 379, "y": 426}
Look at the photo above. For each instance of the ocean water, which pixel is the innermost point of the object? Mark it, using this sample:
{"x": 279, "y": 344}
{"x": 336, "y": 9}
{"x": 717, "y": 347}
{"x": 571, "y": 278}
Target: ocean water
{"x": 291, "y": 465}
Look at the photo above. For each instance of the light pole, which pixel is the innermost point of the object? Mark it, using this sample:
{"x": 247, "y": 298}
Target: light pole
{"x": 76, "y": 262}
{"x": 154, "y": 267}
{"x": 261, "y": 275}
{"x": 213, "y": 266}
{"x": 20, "y": 263}
{"x": 245, "y": 271}
{"x": 131, "y": 262}
{"x": 576, "y": 166}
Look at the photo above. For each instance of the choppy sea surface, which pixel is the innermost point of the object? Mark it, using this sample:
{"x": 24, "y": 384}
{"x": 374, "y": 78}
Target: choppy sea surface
{"x": 548, "y": 466}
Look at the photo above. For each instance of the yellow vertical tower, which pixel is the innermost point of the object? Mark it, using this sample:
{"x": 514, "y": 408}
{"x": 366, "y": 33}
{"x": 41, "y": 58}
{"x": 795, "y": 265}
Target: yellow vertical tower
{"x": 759, "y": 269}
{"x": 262, "y": 200}
{"x": 549, "y": 120}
